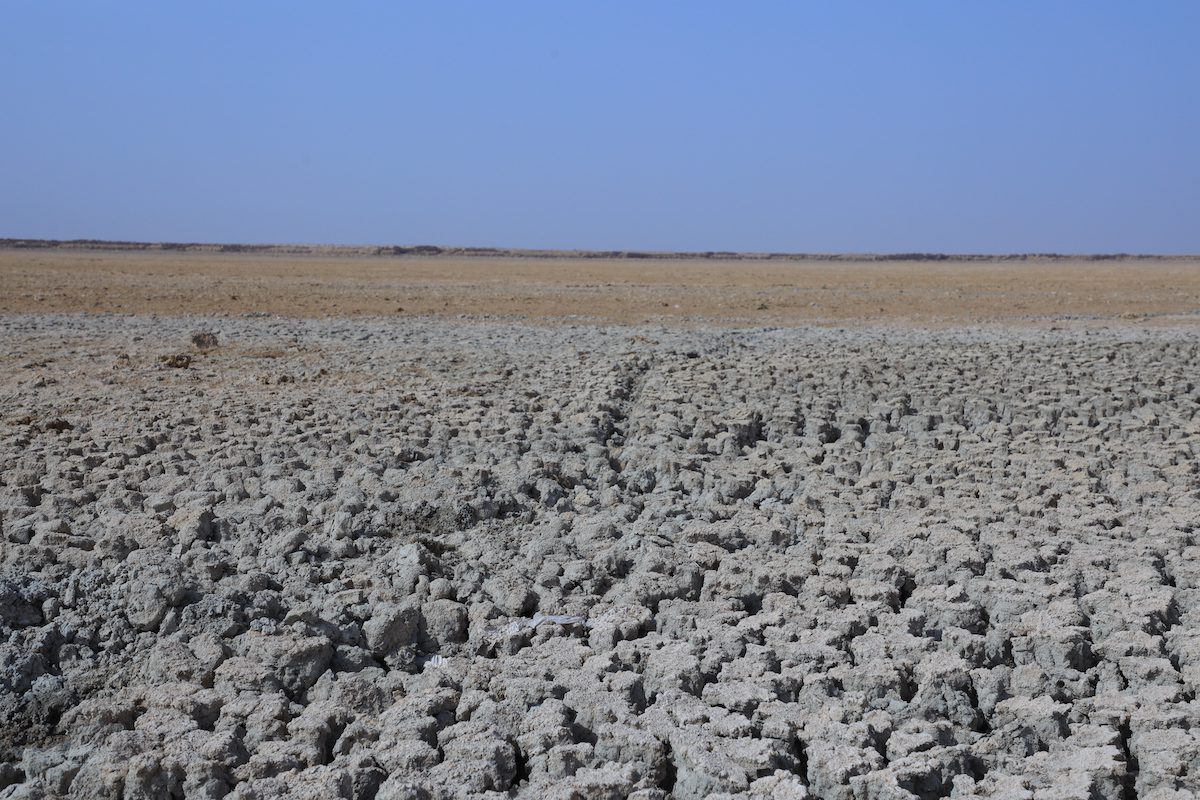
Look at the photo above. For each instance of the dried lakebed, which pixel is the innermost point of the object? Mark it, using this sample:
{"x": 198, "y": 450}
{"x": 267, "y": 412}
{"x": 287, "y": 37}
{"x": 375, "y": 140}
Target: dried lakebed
{"x": 416, "y": 559}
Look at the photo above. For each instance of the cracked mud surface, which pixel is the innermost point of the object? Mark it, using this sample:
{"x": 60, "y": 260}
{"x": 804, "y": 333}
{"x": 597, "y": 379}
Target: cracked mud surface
{"x": 419, "y": 559}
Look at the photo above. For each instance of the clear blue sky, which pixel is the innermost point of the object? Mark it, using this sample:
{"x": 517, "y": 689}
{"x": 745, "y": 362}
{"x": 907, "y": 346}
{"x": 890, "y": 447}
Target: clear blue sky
{"x": 823, "y": 126}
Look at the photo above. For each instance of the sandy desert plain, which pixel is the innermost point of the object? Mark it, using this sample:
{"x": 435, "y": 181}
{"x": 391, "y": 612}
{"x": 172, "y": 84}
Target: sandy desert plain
{"x": 534, "y": 526}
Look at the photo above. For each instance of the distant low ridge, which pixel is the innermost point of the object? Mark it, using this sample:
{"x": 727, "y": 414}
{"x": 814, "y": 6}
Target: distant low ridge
{"x": 428, "y": 250}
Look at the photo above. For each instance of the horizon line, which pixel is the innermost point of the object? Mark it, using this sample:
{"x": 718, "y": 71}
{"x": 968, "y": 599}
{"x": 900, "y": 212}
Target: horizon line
{"x": 429, "y": 250}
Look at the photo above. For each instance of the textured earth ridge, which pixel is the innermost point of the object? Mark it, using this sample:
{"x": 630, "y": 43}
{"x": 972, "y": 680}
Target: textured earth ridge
{"x": 422, "y": 559}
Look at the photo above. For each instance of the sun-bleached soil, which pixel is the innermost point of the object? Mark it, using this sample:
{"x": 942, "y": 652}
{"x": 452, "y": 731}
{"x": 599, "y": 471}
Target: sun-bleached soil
{"x": 415, "y": 558}
{"x": 680, "y": 291}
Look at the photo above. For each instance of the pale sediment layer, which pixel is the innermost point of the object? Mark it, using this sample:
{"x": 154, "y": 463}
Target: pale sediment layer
{"x": 680, "y": 292}
{"x": 407, "y": 558}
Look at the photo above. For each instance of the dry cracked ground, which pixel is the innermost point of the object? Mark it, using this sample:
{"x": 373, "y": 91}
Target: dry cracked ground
{"x": 415, "y": 559}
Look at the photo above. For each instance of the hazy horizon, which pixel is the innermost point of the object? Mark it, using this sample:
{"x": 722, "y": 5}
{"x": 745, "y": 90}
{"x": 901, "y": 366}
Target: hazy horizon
{"x": 929, "y": 127}
{"x": 465, "y": 250}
